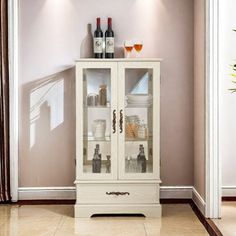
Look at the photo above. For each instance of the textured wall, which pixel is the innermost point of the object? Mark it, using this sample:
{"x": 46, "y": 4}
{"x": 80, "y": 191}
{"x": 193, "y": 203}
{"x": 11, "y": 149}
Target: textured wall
{"x": 51, "y": 32}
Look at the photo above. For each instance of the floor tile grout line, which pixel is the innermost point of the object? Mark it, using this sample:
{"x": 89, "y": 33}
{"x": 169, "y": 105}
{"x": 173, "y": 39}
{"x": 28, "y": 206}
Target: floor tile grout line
{"x": 57, "y": 228}
{"x": 145, "y": 229}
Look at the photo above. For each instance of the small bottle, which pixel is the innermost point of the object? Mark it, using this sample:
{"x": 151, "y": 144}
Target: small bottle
{"x": 108, "y": 164}
{"x": 97, "y": 40}
{"x": 143, "y": 161}
{"x": 99, "y": 154}
{"x": 140, "y": 147}
{"x": 96, "y": 162}
{"x": 109, "y": 40}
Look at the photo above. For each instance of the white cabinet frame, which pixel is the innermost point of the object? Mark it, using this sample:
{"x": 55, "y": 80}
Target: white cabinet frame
{"x": 80, "y": 116}
{"x": 155, "y": 66}
{"x": 119, "y": 192}
{"x": 117, "y": 70}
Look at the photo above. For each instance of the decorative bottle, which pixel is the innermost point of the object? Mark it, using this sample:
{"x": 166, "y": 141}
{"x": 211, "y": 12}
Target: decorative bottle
{"x": 86, "y": 48}
{"x": 108, "y": 164}
{"x": 109, "y": 40}
{"x": 98, "y": 40}
{"x": 141, "y": 159}
{"x": 96, "y": 161}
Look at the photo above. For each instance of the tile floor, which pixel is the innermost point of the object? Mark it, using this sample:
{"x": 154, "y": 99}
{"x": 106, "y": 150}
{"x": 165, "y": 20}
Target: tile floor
{"x": 227, "y": 224}
{"x": 50, "y": 220}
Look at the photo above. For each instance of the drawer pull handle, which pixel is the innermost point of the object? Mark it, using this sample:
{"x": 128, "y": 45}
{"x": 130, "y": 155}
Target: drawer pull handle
{"x": 117, "y": 193}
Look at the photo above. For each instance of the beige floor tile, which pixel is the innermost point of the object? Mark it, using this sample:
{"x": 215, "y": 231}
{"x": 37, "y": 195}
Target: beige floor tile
{"x": 45, "y": 210}
{"x": 5, "y": 210}
{"x": 50, "y": 220}
{"x": 31, "y": 226}
{"x": 102, "y": 227}
{"x": 227, "y": 224}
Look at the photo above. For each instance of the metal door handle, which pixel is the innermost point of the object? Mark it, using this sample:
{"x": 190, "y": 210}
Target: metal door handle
{"x": 114, "y": 121}
{"x": 121, "y": 121}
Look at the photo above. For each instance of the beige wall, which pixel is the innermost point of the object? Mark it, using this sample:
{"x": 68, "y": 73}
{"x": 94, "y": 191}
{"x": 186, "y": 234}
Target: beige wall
{"x": 199, "y": 97}
{"x": 50, "y": 35}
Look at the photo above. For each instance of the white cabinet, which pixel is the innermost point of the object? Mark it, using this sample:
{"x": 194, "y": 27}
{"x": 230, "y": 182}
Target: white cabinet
{"x": 117, "y": 136}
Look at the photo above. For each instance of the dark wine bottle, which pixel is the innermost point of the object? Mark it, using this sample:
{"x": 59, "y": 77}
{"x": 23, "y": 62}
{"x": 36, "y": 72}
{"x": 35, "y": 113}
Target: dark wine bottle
{"x": 97, "y": 40}
{"x": 109, "y": 40}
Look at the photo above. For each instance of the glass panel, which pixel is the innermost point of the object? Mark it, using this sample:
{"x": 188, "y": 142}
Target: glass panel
{"x": 138, "y": 121}
{"x": 97, "y": 132}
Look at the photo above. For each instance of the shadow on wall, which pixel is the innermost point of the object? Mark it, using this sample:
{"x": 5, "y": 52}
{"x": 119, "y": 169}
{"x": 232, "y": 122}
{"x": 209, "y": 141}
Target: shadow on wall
{"x": 47, "y": 131}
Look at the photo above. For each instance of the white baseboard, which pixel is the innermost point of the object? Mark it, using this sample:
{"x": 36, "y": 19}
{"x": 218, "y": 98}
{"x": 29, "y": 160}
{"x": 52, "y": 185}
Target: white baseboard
{"x": 228, "y": 191}
{"x": 200, "y": 203}
{"x": 166, "y": 192}
{"x": 68, "y": 193}
{"x": 47, "y": 193}
{"x": 176, "y": 192}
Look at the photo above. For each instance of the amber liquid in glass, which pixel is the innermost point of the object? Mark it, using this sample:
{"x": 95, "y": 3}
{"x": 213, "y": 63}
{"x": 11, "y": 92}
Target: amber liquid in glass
{"x": 128, "y": 48}
{"x": 138, "y": 47}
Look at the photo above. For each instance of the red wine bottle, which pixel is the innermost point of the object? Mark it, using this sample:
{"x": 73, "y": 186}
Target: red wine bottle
{"x": 109, "y": 40}
{"x": 97, "y": 40}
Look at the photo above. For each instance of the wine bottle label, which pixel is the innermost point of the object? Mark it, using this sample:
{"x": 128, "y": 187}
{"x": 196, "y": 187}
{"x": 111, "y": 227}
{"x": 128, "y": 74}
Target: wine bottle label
{"x": 110, "y": 45}
{"x": 97, "y": 45}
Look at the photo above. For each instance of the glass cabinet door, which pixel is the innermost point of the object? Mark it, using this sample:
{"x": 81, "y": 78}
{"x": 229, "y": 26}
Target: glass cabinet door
{"x": 96, "y": 104}
{"x": 139, "y": 120}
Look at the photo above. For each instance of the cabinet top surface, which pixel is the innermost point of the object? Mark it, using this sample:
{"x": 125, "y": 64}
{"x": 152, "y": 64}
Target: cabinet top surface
{"x": 119, "y": 60}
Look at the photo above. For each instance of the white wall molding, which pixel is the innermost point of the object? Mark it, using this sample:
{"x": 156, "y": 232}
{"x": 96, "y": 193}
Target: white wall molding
{"x": 13, "y": 85}
{"x": 213, "y": 165}
{"x": 228, "y": 191}
{"x": 68, "y": 193}
{"x": 47, "y": 193}
{"x": 198, "y": 200}
{"x": 175, "y": 192}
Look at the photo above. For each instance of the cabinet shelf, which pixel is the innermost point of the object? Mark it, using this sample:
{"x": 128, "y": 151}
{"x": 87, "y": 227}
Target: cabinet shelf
{"x": 138, "y": 139}
{"x": 92, "y": 139}
{"x": 97, "y": 107}
{"x": 139, "y": 107}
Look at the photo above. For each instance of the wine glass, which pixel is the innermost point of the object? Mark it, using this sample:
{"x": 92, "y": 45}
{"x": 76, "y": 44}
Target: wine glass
{"x": 138, "y": 45}
{"x": 128, "y": 48}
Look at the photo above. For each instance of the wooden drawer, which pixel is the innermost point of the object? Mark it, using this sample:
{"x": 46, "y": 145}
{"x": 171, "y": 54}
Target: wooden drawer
{"x": 117, "y": 193}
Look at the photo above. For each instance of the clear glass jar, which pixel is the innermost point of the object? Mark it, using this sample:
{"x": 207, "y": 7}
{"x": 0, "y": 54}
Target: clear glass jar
{"x": 131, "y": 126}
{"x": 103, "y": 95}
{"x": 142, "y": 131}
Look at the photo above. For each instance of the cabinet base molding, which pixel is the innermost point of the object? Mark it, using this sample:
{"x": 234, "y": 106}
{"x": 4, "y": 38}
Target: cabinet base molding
{"x": 149, "y": 210}
{"x": 117, "y": 198}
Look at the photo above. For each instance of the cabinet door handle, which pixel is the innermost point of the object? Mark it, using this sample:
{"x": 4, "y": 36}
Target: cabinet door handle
{"x": 121, "y": 121}
{"x": 114, "y": 121}
{"x": 117, "y": 193}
